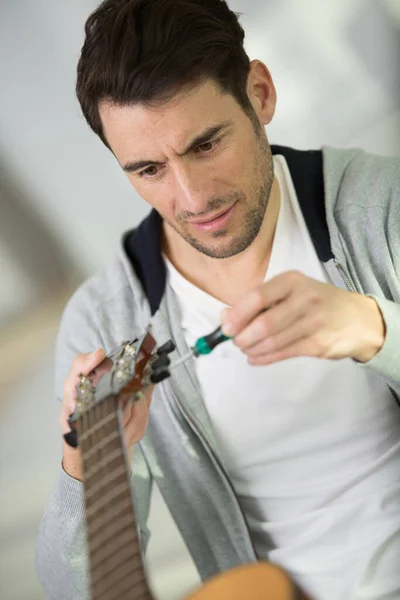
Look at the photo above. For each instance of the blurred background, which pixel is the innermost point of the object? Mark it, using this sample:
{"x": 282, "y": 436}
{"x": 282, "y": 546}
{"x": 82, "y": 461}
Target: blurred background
{"x": 64, "y": 203}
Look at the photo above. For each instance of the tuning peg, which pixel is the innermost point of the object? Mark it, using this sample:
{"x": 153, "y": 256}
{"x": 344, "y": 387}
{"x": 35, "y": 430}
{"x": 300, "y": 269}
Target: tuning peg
{"x": 162, "y": 361}
{"x": 166, "y": 348}
{"x": 159, "y": 375}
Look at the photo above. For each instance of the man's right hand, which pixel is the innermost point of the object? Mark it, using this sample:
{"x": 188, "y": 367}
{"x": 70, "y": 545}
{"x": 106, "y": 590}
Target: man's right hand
{"x": 135, "y": 414}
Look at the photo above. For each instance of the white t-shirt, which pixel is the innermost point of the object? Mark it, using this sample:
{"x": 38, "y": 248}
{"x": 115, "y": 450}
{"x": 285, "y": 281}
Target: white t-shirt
{"x": 312, "y": 446}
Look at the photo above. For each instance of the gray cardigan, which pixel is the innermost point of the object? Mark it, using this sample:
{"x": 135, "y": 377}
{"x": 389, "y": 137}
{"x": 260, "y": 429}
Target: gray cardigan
{"x": 351, "y": 203}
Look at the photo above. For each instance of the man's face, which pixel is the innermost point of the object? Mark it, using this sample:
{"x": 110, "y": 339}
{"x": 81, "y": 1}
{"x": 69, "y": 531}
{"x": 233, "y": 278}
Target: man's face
{"x": 199, "y": 161}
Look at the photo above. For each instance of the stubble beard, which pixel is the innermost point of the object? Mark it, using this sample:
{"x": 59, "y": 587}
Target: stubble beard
{"x": 259, "y": 193}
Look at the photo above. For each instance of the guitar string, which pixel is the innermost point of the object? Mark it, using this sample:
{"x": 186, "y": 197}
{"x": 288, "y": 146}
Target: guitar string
{"x": 96, "y": 462}
{"x": 84, "y": 444}
{"x": 100, "y": 413}
{"x": 139, "y": 575}
{"x": 112, "y": 563}
{"x": 109, "y": 409}
{"x": 98, "y": 425}
{"x": 126, "y": 587}
{"x": 104, "y": 413}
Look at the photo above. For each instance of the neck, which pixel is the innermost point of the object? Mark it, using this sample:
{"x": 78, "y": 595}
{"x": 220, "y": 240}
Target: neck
{"x": 116, "y": 565}
{"x": 227, "y": 279}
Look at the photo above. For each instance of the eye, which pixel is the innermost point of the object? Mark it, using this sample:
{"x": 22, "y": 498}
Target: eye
{"x": 208, "y": 147}
{"x": 149, "y": 173}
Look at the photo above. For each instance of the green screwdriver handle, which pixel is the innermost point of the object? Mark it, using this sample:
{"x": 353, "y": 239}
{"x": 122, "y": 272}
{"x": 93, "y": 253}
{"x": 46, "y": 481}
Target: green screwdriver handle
{"x": 206, "y": 344}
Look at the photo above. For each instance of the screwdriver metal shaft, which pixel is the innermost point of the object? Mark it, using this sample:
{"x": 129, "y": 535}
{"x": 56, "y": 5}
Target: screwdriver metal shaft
{"x": 203, "y": 345}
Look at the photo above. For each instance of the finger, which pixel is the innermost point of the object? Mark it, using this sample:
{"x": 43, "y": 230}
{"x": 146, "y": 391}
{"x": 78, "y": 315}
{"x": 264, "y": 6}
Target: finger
{"x": 270, "y": 323}
{"x": 129, "y": 410}
{"x": 83, "y": 364}
{"x": 136, "y": 424}
{"x": 314, "y": 345}
{"x": 291, "y": 351}
{"x": 97, "y": 373}
{"x": 234, "y": 320}
{"x": 301, "y": 329}
{"x": 148, "y": 395}
{"x": 127, "y": 413}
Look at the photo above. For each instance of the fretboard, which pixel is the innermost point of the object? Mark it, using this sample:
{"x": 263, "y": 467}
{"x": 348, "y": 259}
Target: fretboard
{"x": 116, "y": 566}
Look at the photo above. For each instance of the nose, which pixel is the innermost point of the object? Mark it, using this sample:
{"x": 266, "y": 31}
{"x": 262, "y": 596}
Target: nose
{"x": 191, "y": 189}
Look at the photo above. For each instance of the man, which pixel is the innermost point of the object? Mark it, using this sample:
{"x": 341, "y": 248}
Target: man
{"x": 284, "y": 443}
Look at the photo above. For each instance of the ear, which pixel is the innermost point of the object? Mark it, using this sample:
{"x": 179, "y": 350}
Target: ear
{"x": 261, "y": 91}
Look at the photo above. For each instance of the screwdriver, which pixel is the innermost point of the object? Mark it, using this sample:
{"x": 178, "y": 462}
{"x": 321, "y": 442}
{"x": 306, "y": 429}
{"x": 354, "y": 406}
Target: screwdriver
{"x": 204, "y": 345}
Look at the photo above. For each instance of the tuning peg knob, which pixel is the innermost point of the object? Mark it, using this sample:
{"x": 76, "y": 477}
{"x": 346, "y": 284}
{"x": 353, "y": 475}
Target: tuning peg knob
{"x": 159, "y": 375}
{"x": 161, "y": 362}
{"x": 166, "y": 348}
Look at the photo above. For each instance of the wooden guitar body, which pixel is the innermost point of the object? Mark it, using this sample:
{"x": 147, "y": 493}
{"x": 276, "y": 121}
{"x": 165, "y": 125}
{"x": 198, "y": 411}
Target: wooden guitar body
{"x": 256, "y": 581}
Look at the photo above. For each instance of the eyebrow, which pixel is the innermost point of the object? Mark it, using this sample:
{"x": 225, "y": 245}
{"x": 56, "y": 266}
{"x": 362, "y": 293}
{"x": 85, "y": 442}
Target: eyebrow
{"x": 204, "y": 137}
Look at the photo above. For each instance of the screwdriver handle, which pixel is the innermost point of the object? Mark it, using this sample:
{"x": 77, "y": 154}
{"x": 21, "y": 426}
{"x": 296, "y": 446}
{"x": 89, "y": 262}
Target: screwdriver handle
{"x": 206, "y": 344}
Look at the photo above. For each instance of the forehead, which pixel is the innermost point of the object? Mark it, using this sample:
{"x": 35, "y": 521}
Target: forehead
{"x": 189, "y": 112}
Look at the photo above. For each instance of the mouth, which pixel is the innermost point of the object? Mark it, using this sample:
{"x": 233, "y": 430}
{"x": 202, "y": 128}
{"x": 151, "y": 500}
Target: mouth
{"x": 217, "y": 222}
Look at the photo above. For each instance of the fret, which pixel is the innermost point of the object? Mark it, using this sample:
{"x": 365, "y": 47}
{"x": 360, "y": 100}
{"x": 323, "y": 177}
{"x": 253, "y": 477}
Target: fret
{"x": 101, "y": 464}
{"x": 104, "y": 500}
{"x": 110, "y": 530}
{"x": 127, "y": 589}
{"x": 114, "y": 571}
{"x": 103, "y": 554}
{"x": 101, "y": 445}
{"x": 96, "y": 427}
{"x": 95, "y": 525}
{"x": 109, "y": 478}
{"x": 126, "y": 586}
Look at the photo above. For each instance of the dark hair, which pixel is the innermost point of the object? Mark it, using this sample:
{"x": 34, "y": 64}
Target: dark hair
{"x": 147, "y": 50}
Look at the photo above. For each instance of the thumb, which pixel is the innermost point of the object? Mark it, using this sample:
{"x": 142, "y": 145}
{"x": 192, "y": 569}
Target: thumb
{"x": 129, "y": 409}
{"x": 226, "y": 324}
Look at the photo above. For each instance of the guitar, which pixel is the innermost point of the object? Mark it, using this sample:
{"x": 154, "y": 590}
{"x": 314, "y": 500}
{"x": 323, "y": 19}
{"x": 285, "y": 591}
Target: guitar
{"x": 116, "y": 566}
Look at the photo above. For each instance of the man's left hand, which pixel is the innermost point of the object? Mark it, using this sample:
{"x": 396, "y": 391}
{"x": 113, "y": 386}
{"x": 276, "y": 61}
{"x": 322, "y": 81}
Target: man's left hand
{"x": 294, "y": 315}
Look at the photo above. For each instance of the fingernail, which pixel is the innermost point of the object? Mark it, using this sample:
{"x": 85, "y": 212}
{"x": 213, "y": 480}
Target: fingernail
{"x": 226, "y": 324}
{"x": 227, "y": 328}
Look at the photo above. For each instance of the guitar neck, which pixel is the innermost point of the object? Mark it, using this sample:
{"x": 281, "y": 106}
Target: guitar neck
{"x": 116, "y": 567}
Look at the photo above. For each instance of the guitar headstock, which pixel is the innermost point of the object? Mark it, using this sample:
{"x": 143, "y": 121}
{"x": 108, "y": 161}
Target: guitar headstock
{"x": 131, "y": 375}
